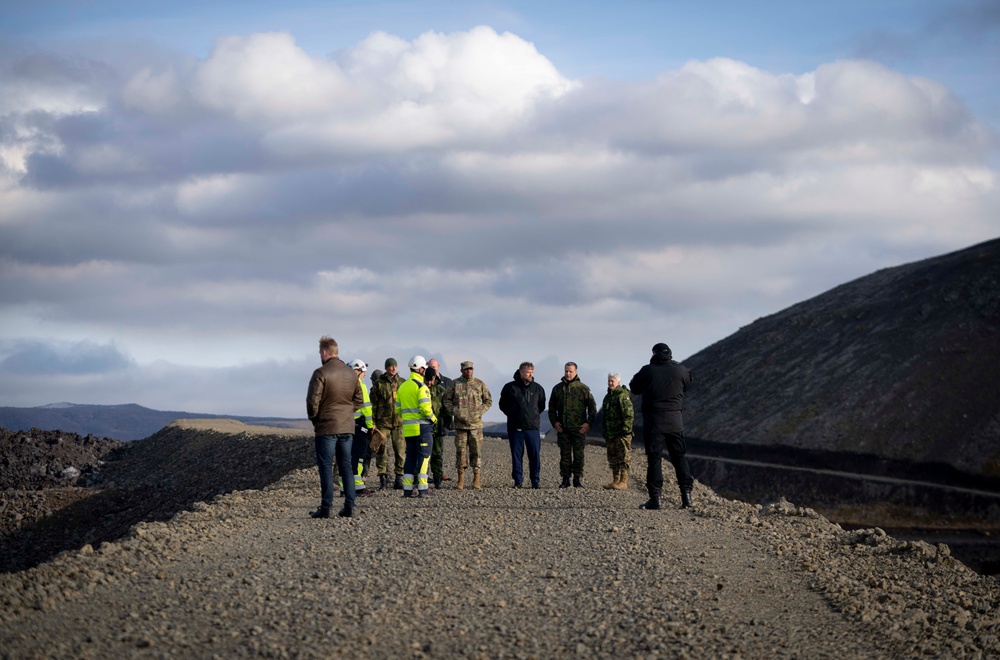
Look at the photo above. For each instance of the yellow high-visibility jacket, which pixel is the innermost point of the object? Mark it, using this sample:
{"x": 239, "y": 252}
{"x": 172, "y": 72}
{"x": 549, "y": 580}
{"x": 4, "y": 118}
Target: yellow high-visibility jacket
{"x": 413, "y": 403}
{"x": 365, "y": 411}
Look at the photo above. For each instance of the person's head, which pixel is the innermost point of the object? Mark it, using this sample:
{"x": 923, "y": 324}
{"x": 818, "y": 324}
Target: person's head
{"x": 390, "y": 366}
{"x": 614, "y": 380}
{"x": 527, "y": 371}
{"x": 327, "y": 348}
{"x": 662, "y": 350}
{"x": 418, "y": 363}
{"x": 430, "y": 375}
{"x": 359, "y": 367}
{"x": 570, "y": 370}
{"x": 467, "y": 369}
{"x": 434, "y": 364}
{"x": 376, "y": 375}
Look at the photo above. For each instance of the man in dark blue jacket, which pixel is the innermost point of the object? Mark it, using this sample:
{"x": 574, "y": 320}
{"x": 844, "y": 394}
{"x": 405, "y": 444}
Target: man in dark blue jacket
{"x": 662, "y": 384}
{"x": 523, "y": 401}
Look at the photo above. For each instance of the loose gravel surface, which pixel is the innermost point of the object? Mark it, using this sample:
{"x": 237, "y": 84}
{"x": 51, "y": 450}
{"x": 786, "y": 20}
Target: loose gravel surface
{"x": 497, "y": 572}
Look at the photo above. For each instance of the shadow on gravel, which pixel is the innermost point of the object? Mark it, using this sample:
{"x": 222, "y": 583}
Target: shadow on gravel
{"x": 152, "y": 480}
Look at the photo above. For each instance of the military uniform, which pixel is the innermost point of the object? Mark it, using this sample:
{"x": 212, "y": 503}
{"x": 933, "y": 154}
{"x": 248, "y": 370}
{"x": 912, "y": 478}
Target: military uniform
{"x": 572, "y": 405}
{"x": 466, "y": 401}
{"x": 387, "y": 420}
{"x": 438, "y": 390}
{"x": 618, "y": 418}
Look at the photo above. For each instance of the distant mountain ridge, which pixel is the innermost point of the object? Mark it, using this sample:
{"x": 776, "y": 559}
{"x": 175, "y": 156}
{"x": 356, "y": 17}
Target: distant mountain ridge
{"x": 128, "y": 421}
{"x": 903, "y": 364}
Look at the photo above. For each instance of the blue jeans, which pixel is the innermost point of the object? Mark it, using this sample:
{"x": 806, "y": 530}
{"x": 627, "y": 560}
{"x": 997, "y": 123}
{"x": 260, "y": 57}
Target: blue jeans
{"x": 520, "y": 440}
{"x": 328, "y": 446}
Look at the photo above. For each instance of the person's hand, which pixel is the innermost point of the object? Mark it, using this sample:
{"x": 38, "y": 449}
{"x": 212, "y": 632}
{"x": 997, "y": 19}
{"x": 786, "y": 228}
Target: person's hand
{"x": 584, "y": 428}
{"x": 558, "y": 427}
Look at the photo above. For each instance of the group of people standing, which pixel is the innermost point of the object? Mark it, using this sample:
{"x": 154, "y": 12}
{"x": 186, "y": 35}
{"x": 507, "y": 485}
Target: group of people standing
{"x": 413, "y": 415}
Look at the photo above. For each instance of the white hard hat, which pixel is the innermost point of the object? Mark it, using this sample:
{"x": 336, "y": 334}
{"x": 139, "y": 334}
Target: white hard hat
{"x": 417, "y": 362}
{"x": 358, "y": 365}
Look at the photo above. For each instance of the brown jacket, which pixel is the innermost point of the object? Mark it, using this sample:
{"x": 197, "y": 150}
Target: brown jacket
{"x": 334, "y": 394}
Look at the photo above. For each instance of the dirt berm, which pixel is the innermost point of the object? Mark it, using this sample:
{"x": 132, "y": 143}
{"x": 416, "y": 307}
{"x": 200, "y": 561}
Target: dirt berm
{"x": 497, "y": 572}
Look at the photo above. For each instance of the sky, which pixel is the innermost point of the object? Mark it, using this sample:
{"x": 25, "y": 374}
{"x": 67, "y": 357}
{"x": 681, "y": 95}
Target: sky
{"x": 192, "y": 194}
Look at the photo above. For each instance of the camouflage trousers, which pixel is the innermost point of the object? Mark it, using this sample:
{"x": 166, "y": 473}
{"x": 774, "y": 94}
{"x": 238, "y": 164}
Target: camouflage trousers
{"x": 467, "y": 444}
{"x": 437, "y": 456}
{"x": 619, "y": 453}
{"x": 395, "y": 437}
{"x": 571, "y": 449}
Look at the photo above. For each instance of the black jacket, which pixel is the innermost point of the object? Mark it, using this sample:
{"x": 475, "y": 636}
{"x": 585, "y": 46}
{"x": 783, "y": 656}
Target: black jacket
{"x": 662, "y": 384}
{"x": 523, "y": 403}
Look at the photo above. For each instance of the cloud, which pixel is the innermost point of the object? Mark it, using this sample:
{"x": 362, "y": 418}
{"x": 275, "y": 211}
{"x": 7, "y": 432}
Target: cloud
{"x": 81, "y": 358}
{"x": 454, "y": 195}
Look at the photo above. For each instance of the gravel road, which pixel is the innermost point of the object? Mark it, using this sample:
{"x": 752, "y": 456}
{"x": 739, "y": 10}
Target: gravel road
{"x": 498, "y": 572}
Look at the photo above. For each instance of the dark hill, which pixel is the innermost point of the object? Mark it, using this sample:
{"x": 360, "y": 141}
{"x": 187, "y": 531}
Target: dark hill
{"x": 902, "y": 364}
{"x": 122, "y": 422}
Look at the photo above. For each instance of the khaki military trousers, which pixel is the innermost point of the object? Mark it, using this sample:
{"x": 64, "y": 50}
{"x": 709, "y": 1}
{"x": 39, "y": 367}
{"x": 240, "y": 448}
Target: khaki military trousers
{"x": 467, "y": 444}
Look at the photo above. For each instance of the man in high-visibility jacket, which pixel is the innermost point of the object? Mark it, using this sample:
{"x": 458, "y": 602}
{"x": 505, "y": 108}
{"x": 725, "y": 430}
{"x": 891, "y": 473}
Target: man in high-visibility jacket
{"x": 413, "y": 403}
{"x": 363, "y": 424}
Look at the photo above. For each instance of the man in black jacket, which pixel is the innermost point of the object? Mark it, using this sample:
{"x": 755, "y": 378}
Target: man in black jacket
{"x": 523, "y": 401}
{"x": 662, "y": 384}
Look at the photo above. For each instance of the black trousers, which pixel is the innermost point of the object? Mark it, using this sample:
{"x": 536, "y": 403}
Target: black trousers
{"x": 655, "y": 441}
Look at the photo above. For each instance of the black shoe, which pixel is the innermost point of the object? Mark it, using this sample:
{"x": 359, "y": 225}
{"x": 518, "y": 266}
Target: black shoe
{"x": 653, "y": 503}
{"x": 577, "y": 482}
{"x": 383, "y": 481}
{"x": 398, "y": 485}
{"x": 565, "y": 483}
{"x": 423, "y": 493}
{"x": 321, "y": 512}
{"x": 437, "y": 481}
{"x": 407, "y": 493}
{"x": 686, "y": 501}
{"x": 517, "y": 484}
{"x": 535, "y": 486}
{"x": 345, "y": 513}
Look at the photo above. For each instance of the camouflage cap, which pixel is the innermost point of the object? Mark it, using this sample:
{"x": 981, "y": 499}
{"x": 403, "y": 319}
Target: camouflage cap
{"x": 467, "y": 364}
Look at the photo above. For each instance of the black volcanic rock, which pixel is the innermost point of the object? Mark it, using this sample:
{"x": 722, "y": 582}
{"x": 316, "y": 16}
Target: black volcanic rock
{"x": 902, "y": 364}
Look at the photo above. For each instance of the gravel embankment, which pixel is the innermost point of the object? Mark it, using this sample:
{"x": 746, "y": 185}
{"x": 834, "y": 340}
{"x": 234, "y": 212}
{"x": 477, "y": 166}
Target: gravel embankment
{"x": 498, "y": 573}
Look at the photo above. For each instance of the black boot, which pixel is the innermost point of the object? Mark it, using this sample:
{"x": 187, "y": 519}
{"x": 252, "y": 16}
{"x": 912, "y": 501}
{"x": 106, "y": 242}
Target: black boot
{"x": 322, "y": 512}
{"x": 653, "y": 503}
{"x": 437, "y": 481}
{"x": 565, "y": 482}
{"x": 399, "y": 483}
{"x": 686, "y": 501}
{"x": 577, "y": 482}
{"x": 346, "y": 512}
{"x": 383, "y": 479}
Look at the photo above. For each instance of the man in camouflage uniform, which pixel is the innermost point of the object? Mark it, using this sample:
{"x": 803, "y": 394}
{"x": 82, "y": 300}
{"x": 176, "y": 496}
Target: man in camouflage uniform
{"x": 618, "y": 418}
{"x": 572, "y": 410}
{"x": 443, "y": 424}
{"x": 433, "y": 381}
{"x": 466, "y": 401}
{"x": 389, "y": 423}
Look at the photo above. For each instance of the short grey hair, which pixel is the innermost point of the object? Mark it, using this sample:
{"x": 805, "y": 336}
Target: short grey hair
{"x": 617, "y": 376}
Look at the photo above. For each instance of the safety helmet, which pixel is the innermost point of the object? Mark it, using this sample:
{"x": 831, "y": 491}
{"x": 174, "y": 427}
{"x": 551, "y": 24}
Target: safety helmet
{"x": 417, "y": 362}
{"x": 358, "y": 365}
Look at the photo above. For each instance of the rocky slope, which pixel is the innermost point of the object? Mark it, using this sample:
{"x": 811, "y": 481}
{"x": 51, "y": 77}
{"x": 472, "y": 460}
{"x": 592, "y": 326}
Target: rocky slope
{"x": 901, "y": 364}
{"x": 492, "y": 573}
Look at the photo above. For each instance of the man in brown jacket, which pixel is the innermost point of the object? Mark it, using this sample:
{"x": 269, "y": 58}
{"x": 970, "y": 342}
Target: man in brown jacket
{"x": 334, "y": 394}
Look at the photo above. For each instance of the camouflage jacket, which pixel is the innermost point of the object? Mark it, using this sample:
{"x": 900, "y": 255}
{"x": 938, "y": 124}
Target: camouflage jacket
{"x": 444, "y": 422}
{"x": 466, "y": 401}
{"x": 618, "y": 413}
{"x": 383, "y": 396}
{"x": 571, "y": 404}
